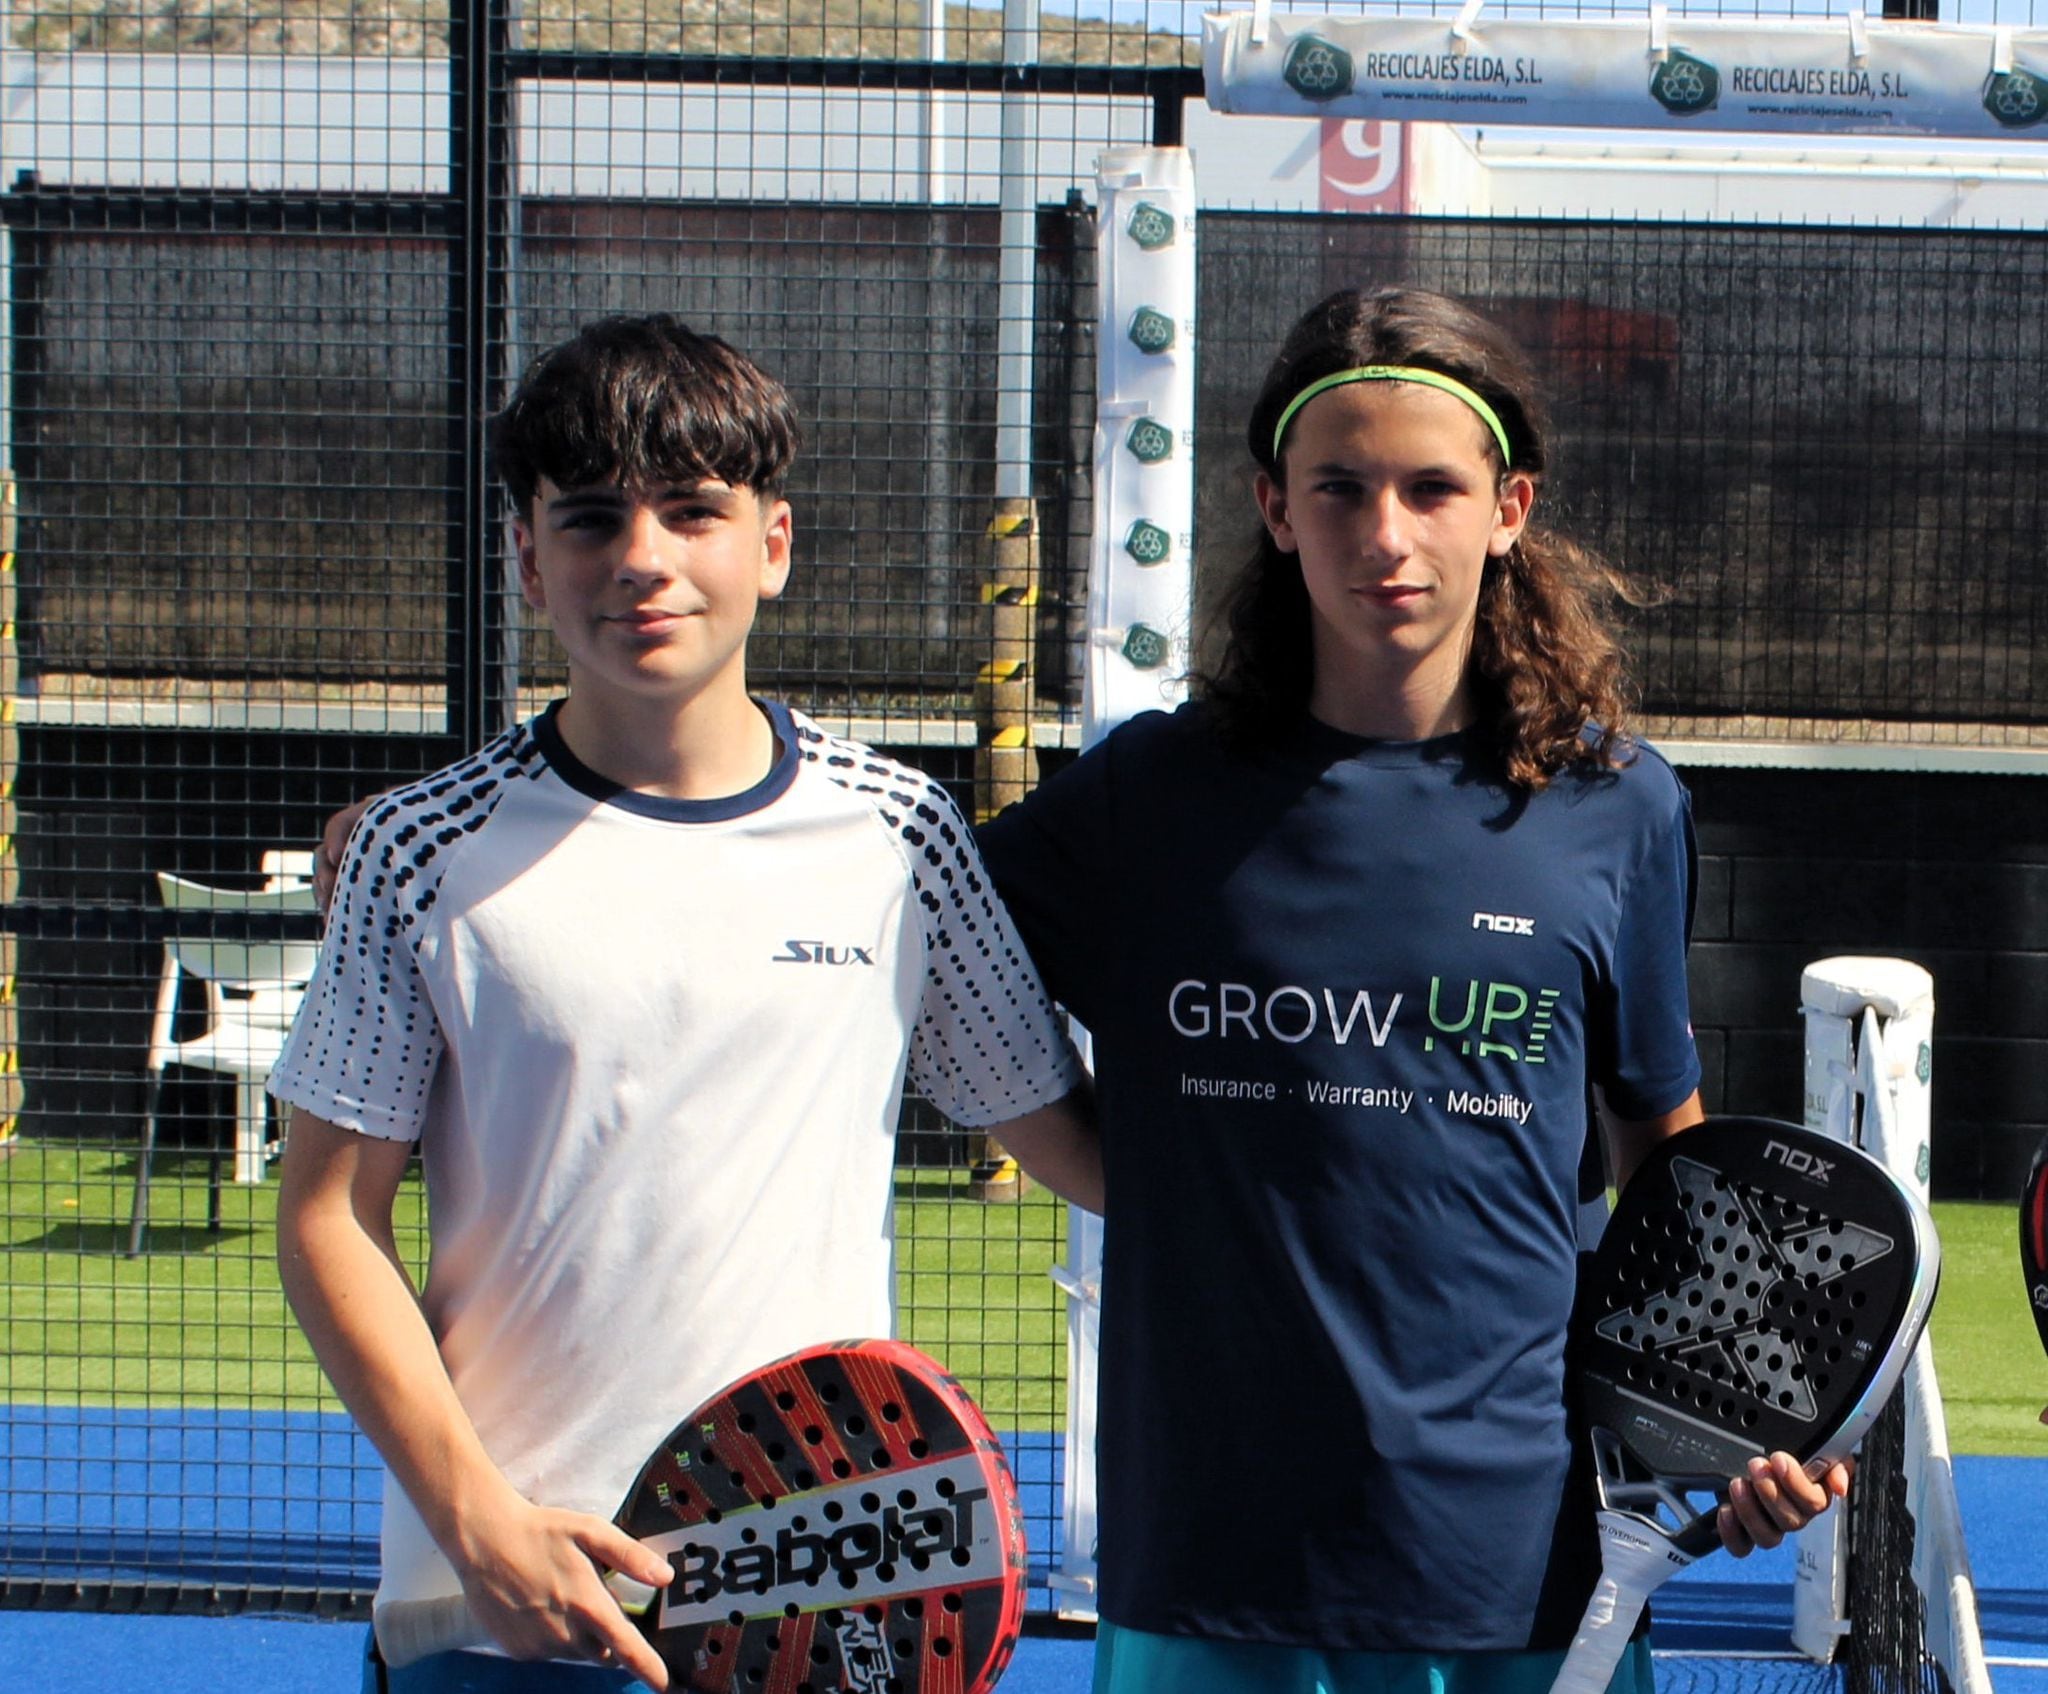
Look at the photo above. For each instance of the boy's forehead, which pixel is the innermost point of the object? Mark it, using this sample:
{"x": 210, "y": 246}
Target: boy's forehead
{"x": 616, "y": 491}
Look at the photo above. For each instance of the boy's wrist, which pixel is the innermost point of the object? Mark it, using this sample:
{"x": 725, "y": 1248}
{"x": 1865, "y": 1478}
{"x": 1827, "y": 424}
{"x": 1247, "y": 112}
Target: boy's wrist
{"x": 465, "y": 1517}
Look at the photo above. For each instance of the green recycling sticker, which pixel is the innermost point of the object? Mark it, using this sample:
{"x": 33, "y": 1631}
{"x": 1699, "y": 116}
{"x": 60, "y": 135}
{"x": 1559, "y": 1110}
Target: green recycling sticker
{"x": 1150, "y": 441}
{"x": 2016, "y": 98}
{"x": 1683, "y": 85}
{"x": 1317, "y": 69}
{"x": 1151, "y": 330}
{"x": 1146, "y": 542}
{"x": 1151, "y": 227}
{"x": 1145, "y": 647}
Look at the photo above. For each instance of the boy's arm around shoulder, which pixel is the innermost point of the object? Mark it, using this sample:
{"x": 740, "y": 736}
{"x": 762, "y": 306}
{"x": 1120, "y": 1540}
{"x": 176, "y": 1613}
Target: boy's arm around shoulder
{"x": 1060, "y": 1146}
{"x": 529, "y": 1573}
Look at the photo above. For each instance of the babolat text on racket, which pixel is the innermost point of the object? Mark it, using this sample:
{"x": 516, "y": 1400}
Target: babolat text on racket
{"x": 2034, "y": 1240}
{"x": 1758, "y": 1289}
{"x": 840, "y": 1519}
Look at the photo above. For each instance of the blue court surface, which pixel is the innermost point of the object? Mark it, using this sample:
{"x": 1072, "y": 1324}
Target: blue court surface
{"x": 89, "y": 1488}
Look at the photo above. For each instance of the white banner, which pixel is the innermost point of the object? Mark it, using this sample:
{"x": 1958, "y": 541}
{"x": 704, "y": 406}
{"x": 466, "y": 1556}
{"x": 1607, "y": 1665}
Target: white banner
{"x": 1857, "y": 75}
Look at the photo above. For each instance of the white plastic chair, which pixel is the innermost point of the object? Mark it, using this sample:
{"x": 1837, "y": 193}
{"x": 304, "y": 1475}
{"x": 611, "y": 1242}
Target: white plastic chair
{"x": 287, "y": 867}
{"x": 253, "y": 988}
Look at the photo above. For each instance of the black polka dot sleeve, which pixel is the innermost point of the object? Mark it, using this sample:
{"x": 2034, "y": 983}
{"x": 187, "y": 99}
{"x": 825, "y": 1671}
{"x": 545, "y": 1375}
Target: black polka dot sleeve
{"x": 365, "y": 1046}
{"x": 988, "y": 1044}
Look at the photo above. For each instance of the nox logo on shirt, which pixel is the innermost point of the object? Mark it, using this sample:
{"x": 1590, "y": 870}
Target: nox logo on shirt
{"x": 1501, "y": 923}
{"x": 820, "y": 953}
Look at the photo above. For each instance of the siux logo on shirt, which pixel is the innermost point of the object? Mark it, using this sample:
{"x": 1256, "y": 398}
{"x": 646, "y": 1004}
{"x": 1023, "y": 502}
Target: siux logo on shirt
{"x": 820, "y": 953}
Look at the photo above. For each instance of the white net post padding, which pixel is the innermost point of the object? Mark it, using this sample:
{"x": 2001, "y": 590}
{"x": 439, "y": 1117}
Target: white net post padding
{"x": 1869, "y": 1028}
{"x": 1140, "y": 600}
{"x": 1836, "y": 998}
{"x": 1080, "y": 1279}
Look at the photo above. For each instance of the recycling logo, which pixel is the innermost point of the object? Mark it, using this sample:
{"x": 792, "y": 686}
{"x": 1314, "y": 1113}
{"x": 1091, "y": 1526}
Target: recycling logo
{"x": 1148, "y": 543}
{"x": 1151, "y": 227}
{"x": 1317, "y": 69}
{"x": 1150, "y": 441}
{"x": 1151, "y": 331}
{"x": 1683, "y": 85}
{"x": 2016, "y": 98}
{"x": 1145, "y": 647}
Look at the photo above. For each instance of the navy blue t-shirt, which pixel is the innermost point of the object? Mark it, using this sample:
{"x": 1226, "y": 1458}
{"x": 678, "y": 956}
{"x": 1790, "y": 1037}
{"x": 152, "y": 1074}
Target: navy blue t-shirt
{"x": 1347, "y": 998}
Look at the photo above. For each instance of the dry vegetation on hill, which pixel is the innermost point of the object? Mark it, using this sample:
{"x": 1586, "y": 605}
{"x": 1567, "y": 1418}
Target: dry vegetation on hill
{"x": 835, "y": 29}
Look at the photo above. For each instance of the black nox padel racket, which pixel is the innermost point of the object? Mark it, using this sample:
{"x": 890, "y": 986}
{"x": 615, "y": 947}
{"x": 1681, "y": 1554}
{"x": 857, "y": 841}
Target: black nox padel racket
{"x": 1759, "y": 1289}
{"x": 2034, "y": 1240}
{"x": 840, "y": 1519}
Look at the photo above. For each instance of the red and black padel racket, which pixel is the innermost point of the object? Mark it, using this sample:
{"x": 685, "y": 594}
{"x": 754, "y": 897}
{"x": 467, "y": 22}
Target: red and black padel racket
{"x": 2034, "y": 1242}
{"x": 841, "y": 1519}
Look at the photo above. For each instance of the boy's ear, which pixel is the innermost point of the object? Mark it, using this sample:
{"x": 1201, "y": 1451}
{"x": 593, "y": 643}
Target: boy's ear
{"x": 778, "y": 526}
{"x": 530, "y": 587}
{"x": 1517, "y": 498}
{"x": 1272, "y": 499}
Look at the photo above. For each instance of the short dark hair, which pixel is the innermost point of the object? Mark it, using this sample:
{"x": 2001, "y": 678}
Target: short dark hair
{"x": 643, "y": 401}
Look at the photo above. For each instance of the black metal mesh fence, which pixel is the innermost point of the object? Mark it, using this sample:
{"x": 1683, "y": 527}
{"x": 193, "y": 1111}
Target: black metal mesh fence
{"x": 1824, "y": 449}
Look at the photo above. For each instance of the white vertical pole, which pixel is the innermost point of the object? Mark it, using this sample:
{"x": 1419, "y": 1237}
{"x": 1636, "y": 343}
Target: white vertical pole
{"x": 1015, "y": 328}
{"x": 932, "y": 144}
{"x": 1141, "y": 561}
{"x": 1140, "y": 593}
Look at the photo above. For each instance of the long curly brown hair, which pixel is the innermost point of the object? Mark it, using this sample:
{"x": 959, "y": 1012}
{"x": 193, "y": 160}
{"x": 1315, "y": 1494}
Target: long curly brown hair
{"x": 1547, "y": 666}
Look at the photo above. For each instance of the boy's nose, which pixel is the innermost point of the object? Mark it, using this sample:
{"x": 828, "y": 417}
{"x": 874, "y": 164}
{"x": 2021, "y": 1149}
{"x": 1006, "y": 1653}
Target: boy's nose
{"x": 1387, "y": 523}
{"x": 644, "y": 552}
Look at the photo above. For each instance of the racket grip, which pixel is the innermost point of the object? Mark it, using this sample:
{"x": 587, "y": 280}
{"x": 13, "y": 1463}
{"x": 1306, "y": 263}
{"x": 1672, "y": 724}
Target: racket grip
{"x": 1636, "y": 1559}
{"x": 409, "y": 1630}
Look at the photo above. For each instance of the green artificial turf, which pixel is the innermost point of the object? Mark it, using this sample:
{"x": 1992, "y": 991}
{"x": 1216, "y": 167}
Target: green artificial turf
{"x": 199, "y": 1319}
{"x": 1987, "y": 1353}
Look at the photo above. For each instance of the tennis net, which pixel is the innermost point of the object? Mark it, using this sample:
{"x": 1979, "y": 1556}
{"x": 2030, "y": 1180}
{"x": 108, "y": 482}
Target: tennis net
{"x": 1912, "y": 1606}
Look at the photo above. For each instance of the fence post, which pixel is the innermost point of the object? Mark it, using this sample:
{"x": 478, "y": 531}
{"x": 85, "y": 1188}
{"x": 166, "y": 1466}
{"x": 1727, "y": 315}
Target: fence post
{"x": 10, "y": 877}
{"x": 481, "y": 697}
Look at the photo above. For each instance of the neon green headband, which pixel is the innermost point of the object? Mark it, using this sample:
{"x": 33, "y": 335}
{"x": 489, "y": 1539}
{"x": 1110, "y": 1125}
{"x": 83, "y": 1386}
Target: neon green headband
{"x": 1395, "y": 373}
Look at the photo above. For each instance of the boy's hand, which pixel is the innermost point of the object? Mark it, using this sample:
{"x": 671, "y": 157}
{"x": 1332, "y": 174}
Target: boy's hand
{"x": 333, "y": 843}
{"x": 535, "y": 1584}
{"x": 1774, "y": 1499}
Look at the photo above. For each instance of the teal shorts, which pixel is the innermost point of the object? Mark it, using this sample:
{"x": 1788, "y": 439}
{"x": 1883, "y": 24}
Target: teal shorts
{"x": 1129, "y": 1661}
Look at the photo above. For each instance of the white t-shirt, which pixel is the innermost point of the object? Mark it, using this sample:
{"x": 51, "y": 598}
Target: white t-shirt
{"x": 653, "y": 1052}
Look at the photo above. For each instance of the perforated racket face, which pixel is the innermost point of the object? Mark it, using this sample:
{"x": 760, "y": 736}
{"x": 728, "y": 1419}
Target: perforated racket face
{"x": 2034, "y": 1239}
{"x": 841, "y": 1519}
{"x": 1755, "y": 1291}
